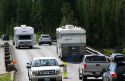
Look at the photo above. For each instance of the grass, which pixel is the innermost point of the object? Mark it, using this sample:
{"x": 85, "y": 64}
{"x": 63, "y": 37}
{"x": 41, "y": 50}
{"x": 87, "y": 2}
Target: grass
{"x": 5, "y": 77}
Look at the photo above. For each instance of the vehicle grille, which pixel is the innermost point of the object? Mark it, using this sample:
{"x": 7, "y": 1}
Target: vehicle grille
{"x": 25, "y": 43}
{"x": 46, "y": 72}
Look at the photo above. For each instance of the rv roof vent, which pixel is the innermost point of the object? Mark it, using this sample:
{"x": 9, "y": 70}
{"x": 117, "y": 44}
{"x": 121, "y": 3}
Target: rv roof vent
{"x": 23, "y": 26}
{"x": 69, "y": 26}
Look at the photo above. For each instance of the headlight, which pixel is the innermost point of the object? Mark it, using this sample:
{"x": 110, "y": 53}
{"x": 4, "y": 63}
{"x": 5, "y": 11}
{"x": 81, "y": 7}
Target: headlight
{"x": 57, "y": 72}
{"x": 35, "y": 73}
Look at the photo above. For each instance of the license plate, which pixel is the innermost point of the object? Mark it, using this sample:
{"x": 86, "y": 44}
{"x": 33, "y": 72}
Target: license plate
{"x": 46, "y": 79}
{"x": 97, "y": 73}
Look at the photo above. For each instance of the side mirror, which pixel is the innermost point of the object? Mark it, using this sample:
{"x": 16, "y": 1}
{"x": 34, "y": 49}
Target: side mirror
{"x": 61, "y": 65}
{"x": 28, "y": 67}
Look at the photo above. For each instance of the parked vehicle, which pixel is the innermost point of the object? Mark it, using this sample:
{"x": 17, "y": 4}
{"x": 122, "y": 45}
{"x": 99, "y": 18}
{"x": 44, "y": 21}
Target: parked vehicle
{"x": 44, "y": 68}
{"x": 45, "y": 39}
{"x": 92, "y": 66}
{"x": 24, "y": 36}
{"x": 71, "y": 40}
{"x": 5, "y": 37}
{"x": 116, "y": 69}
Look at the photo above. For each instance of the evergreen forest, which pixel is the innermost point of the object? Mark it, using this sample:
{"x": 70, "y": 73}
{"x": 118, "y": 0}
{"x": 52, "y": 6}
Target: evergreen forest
{"x": 104, "y": 20}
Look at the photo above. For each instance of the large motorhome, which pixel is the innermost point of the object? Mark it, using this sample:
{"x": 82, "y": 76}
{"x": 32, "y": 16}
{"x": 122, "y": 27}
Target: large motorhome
{"x": 71, "y": 40}
{"x": 24, "y": 36}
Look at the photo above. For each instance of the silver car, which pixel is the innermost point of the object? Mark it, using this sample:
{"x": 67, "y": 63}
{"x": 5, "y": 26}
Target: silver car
{"x": 45, "y": 39}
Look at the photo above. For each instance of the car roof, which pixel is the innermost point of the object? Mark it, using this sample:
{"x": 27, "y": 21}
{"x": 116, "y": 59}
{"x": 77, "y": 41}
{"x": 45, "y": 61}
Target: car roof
{"x": 116, "y": 54}
{"x": 37, "y": 58}
{"x": 94, "y": 55}
{"x": 45, "y": 35}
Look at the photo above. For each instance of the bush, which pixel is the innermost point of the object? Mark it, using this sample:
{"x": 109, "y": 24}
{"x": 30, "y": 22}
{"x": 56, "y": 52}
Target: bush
{"x": 107, "y": 52}
{"x": 123, "y": 51}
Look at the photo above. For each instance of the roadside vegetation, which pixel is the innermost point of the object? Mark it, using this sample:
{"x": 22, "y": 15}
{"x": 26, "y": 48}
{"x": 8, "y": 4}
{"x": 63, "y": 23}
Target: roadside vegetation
{"x": 5, "y": 77}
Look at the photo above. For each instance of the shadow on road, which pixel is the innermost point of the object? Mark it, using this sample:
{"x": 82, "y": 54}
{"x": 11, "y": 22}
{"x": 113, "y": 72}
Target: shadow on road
{"x": 94, "y": 80}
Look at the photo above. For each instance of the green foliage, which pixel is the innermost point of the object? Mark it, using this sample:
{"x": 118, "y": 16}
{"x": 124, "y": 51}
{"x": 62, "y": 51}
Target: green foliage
{"x": 123, "y": 51}
{"x": 103, "y": 19}
{"x": 107, "y": 52}
{"x": 5, "y": 77}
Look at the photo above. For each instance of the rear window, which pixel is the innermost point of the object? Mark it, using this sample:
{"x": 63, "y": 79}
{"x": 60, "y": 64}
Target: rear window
{"x": 24, "y": 37}
{"x": 45, "y": 36}
{"x": 95, "y": 59}
{"x": 120, "y": 69}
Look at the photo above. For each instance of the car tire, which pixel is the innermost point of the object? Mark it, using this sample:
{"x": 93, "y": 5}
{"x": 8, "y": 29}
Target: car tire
{"x": 80, "y": 78}
{"x": 50, "y": 43}
{"x": 30, "y": 47}
{"x": 39, "y": 43}
{"x": 84, "y": 78}
{"x": 17, "y": 47}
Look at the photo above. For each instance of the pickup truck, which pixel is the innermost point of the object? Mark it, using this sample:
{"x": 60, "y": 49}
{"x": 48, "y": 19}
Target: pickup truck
{"x": 92, "y": 66}
{"x": 44, "y": 68}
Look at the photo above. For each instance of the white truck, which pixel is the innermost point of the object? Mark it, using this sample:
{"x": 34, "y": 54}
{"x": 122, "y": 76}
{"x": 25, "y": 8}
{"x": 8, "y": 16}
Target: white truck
{"x": 24, "y": 36}
{"x": 71, "y": 40}
{"x": 44, "y": 68}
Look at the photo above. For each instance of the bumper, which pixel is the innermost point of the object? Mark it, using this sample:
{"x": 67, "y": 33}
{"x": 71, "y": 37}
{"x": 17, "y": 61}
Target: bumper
{"x": 93, "y": 74}
{"x": 51, "y": 77}
{"x": 45, "y": 42}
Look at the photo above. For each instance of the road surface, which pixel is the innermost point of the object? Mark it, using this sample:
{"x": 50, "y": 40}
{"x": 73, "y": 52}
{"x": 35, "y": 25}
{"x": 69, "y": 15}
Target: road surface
{"x": 25, "y": 55}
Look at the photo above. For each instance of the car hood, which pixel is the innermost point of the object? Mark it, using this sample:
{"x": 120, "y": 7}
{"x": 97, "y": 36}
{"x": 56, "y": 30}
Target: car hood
{"x": 45, "y": 68}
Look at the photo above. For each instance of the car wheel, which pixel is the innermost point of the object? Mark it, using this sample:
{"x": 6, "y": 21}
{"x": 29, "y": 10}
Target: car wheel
{"x": 39, "y": 43}
{"x": 30, "y": 47}
{"x": 79, "y": 75}
{"x": 50, "y": 43}
{"x": 84, "y": 78}
{"x": 17, "y": 47}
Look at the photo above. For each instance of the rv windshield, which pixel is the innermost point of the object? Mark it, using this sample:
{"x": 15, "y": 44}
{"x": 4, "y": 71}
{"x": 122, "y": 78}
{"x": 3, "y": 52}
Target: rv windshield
{"x": 24, "y": 37}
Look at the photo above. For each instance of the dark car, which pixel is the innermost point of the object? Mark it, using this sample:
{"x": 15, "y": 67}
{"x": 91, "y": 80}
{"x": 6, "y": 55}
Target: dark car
{"x": 116, "y": 69}
{"x": 5, "y": 37}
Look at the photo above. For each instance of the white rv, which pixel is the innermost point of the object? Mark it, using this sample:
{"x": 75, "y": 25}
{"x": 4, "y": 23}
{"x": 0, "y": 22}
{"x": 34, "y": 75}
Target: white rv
{"x": 71, "y": 40}
{"x": 24, "y": 36}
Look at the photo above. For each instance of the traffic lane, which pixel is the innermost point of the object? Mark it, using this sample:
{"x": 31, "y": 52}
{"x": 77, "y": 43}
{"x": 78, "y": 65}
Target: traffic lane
{"x": 28, "y": 54}
{"x": 22, "y": 58}
{"x": 72, "y": 69}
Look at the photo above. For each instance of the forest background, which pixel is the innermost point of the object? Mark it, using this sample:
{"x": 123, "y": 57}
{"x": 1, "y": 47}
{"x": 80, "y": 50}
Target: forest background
{"x": 104, "y": 20}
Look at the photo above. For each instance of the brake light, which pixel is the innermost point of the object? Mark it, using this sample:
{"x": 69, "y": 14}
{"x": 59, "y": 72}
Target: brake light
{"x": 85, "y": 65}
{"x": 114, "y": 75}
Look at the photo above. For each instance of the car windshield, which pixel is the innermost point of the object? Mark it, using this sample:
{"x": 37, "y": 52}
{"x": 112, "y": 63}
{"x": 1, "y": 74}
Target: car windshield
{"x": 44, "y": 62}
{"x": 95, "y": 59}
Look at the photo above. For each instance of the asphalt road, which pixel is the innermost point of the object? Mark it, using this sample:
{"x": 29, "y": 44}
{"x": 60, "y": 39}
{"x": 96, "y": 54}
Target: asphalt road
{"x": 25, "y": 55}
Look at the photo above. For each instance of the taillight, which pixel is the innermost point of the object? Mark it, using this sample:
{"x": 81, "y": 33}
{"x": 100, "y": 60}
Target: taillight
{"x": 114, "y": 75}
{"x": 85, "y": 65}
